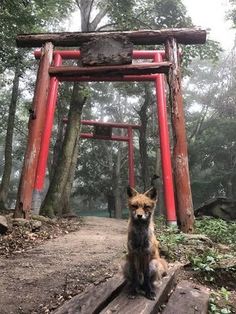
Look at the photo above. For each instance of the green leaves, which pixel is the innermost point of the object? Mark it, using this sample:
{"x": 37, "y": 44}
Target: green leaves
{"x": 217, "y": 230}
{"x": 27, "y": 17}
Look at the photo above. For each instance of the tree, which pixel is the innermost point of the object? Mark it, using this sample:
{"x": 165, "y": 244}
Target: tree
{"x": 231, "y": 14}
{"x": 4, "y": 187}
{"x": 15, "y": 17}
{"x": 211, "y": 129}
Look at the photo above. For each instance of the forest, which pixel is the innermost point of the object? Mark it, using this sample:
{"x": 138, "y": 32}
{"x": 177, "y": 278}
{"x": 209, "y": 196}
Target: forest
{"x": 60, "y": 261}
{"x": 97, "y": 174}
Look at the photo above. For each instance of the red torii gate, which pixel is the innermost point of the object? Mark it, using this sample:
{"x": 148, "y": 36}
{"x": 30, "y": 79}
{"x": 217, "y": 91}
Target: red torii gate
{"x": 46, "y": 88}
{"x": 108, "y": 126}
{"x": 158, "y": 79}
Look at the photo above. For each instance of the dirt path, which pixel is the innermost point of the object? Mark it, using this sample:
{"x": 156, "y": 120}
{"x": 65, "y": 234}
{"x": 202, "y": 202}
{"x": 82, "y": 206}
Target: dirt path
{"x": 36, "y": 278}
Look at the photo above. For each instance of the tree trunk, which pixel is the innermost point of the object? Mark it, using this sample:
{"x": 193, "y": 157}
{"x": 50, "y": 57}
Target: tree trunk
{"x": 66, "y": 208}
{"x": 118, "y": 209}
{"x": 110, "y": 203}
{"x": 159, "y": 186}
{"x": 143, "y": 138}
{"x": 4, "y": 187}
{"x": 59, "y": 140}
{"x": 52, "y": 204}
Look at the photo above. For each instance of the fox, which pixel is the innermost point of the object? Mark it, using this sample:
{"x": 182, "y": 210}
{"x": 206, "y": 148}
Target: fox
{"x": 143, "y": 264}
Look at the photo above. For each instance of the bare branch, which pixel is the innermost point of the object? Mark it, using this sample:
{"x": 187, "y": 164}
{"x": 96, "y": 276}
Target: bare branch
{"x": 100, "y": 15}
{"x": 78, "y": 4}
{"x": 105, "y": 26}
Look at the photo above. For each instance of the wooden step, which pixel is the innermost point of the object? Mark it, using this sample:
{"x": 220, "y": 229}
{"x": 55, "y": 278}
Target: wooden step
{"x": 188, "y": 298}
{"x": 141, "y": 305}
{"x": 93, "y": 298}
{"x": 112, "y": 297}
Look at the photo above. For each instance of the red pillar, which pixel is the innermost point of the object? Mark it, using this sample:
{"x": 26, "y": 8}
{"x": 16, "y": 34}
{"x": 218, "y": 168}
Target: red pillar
{"x": 165, "y": 146}
{"x": 36, "y": 124}
{"x": 45, "y": 142}
{"x": 131, "y": 157}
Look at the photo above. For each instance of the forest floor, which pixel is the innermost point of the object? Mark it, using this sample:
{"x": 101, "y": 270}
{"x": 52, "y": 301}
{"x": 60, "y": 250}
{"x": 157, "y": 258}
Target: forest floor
{"x": 40, "y": 270}
{"x": 42, "y": 266}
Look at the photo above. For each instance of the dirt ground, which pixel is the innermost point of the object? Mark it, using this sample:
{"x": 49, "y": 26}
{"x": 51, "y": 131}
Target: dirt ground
{"x": 42, "y": 266}
{"x": 38, "y": 280}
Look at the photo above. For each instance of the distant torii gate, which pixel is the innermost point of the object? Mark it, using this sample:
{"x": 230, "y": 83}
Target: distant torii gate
{"x": 42, "y": 112}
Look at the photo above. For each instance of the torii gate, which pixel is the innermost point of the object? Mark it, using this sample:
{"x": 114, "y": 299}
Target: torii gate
{"x": 46, "y": 89}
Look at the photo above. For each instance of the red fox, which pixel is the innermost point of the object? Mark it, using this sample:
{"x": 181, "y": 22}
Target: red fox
{"x": 143, "y": 263}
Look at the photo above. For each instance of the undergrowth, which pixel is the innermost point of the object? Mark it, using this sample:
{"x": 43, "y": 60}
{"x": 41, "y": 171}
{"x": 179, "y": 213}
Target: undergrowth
{"x": 208, "y": 253}
{"x": 217, "y": 230}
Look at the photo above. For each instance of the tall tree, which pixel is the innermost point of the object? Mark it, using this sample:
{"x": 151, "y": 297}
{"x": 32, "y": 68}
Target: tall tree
{"x": 4, "y": 187}
{"x": 210, "y": 102}
{"x": 15, "y": 17}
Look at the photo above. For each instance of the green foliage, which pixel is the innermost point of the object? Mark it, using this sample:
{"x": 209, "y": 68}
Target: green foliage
{"x": 170, "y": 239}
{"x": 157, "y": 14}
{"x": 217, "y": 230}
{"x": 205, "y": 262}
{"x": 152, "y": 14}
{"x": 25, "y": 17}
{"x": 210, "y": 114}
{"x": 231, "y": 14}
{"x": 220, "y": 296}
{"x": 210, "y": 51}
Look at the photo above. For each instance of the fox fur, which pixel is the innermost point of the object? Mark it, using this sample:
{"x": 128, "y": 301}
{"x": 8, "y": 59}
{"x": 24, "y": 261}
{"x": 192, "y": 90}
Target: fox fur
{"x": 143, "y": 263}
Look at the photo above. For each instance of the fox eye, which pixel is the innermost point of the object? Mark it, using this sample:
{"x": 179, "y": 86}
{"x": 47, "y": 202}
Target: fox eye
{"x": 134, "y": 206}
{"x": 147, "y": 207}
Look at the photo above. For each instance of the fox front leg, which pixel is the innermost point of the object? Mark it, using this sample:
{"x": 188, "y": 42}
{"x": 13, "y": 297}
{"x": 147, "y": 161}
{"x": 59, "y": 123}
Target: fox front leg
{"x": 134, "y": 282}
{"x": 148, "y": 283}
{"x": 131, "y": 275}
{"x": 148, "y": 286}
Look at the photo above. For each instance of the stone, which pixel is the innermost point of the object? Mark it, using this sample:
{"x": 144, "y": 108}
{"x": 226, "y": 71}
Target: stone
{"x": 3, "y": 225}
{"x": 20, "y": 222}
{"x": 35, "y": 225}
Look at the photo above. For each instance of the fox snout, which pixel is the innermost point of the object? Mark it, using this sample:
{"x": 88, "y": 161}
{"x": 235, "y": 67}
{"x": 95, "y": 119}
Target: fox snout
{"x": 140, "y": 214}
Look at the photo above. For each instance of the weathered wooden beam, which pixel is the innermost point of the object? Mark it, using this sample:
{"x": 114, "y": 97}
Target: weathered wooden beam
{"x": 142, "y": 37}
{"x": 94, "y": 298}
{"x": 99, "y": 71}
{"x": 188, "y": 298}
{"x": 180, "y": 154}
{"x": 112, "y": 297}
{"x": 123, "y": 304}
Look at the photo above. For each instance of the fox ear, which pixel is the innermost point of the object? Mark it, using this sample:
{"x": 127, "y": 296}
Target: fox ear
{"x": 131, "y": 192}
{"x": 151, "y": 193}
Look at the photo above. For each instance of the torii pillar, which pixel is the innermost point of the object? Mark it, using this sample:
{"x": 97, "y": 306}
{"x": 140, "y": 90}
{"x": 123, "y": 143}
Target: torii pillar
{"x": 183, "y": 193}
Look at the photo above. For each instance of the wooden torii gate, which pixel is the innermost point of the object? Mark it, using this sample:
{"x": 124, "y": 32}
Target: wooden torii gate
{"x": 170, "y": 38}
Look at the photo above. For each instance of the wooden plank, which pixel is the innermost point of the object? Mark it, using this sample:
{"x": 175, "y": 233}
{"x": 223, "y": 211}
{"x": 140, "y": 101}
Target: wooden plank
{"x": 94, "y": 298}
{"x": 106, "y": 51}
{"x": 141, "y": 305}
{"x": 112, "y": 71}
{"x": 141, "y": 37}
{"x": 188, "y": 298}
